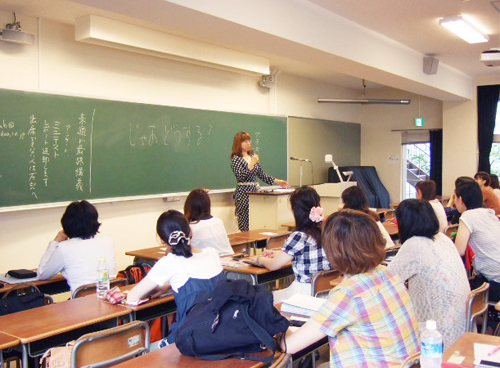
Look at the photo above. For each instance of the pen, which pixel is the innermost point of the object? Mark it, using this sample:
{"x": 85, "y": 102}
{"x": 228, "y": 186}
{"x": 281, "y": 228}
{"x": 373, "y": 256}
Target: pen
{"x": 494, "y": 350}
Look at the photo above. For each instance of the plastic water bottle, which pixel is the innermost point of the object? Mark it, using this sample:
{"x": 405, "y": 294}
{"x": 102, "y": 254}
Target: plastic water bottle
{"x": 102, "y": 284}
{"x": 431, "y": 352}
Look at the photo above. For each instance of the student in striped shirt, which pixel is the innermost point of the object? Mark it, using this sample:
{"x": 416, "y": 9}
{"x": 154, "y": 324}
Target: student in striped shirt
{"x": 368, "y": 318}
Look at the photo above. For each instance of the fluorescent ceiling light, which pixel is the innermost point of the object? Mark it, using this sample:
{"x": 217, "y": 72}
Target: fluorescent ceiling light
{"x": 462, "y": 29}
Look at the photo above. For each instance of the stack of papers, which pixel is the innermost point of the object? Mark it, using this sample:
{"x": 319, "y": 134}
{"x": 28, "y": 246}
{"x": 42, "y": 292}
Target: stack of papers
{"x": 481, "y": 357}
{"x": 304, "y": 305}
{"x": 232, "y": 263}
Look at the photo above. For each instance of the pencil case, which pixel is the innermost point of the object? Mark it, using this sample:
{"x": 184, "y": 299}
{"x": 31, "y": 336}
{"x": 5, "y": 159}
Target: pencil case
{"x": 22, "y": 274}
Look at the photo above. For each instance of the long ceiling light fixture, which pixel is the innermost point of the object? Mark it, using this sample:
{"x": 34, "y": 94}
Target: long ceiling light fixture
{"x": 365, "y": 101}
{"x": 463, "y": 29}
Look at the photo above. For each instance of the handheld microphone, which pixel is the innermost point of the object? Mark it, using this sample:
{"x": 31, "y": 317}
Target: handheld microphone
{"x": 300, "y": 159}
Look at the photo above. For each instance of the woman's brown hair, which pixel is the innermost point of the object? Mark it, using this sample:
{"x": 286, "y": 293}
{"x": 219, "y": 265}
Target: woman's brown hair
{"x": 197, "y": 205}
{"x": 238, "y": 139}
{"x": 352, "y": 242}
{"x": 428, "y": 189}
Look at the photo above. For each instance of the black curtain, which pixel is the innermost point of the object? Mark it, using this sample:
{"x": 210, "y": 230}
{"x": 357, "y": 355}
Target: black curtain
{"x": 487, "y": 100}
{"x": 436, "y": 140}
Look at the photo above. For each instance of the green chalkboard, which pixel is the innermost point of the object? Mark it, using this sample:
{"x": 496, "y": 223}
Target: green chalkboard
{"x": 59, "y": 148}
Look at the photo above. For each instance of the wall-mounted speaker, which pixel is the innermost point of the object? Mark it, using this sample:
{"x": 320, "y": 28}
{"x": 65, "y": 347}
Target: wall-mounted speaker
{"x": 430, "y": 65}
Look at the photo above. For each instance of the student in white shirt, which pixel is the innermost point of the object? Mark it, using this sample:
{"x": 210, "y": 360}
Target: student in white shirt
{"x": 76, "y": 249}
{"x": 207, "y": 230}
{"x": 189, "y": 271}
{"x": 480, "y": 228}
{"x": 427, "y": 190}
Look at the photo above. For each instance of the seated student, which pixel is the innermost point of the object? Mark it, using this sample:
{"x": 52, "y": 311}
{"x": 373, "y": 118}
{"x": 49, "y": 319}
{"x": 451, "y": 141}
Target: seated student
{"x": 76, "y": 249}
{"x": 427, "y": 190}
{"x": 490, "y": 199}
{"x": 452, "y": 214}
{"x": 428, "y": 259}
{"x": 480, "y": 228}
{"x": 354, "y": 198}
{"x": 369, "y": 317}
{"x": 186, "y": 269}
{"x": 302, "y": 247}
{"x": 495, "y": 185}
{"x": 207, "y": 230}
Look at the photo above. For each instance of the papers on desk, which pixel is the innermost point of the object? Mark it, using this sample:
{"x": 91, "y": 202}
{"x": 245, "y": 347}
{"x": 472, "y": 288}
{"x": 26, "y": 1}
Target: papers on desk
{"x": 481, "y": 358}
{"x": 230, "y": 262}
{"x": 268, "y": 233}
{"x": 304, "y": 305}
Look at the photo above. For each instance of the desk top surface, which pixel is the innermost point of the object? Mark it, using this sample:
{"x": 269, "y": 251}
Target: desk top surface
{"x": 465, "y": 345}
{"x": 7, "y": 341}
{"x": 58, "y": 318}
{"x": 56, "y": 278}
{"x": 171, "y": 357}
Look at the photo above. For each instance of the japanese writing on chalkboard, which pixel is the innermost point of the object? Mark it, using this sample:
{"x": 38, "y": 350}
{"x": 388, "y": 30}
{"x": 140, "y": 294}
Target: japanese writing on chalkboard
{"x": 141, "y": 135}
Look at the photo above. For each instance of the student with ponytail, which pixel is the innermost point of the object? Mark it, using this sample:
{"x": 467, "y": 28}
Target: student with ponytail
{"x": 189, "y": 271}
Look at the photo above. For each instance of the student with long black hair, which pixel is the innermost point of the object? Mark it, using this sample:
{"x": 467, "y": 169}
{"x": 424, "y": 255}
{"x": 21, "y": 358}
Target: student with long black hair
{"x": 186, "y": 269}
{"x": 303, "y": 246}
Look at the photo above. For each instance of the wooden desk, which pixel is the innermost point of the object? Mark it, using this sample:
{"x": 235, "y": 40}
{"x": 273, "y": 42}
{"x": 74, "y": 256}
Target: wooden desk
{"x": 51, "y": 325}
{"x": 6, "y": 341}
{"x": 258, "y": 275}
{"x": 54, "y": 285}
{"x": 149, "y": 253}
{"x": 171, "y": 357}
{"x": 391, "y": 227}
{"x": 465, "y": 345}
{"x": 253, "y": 237}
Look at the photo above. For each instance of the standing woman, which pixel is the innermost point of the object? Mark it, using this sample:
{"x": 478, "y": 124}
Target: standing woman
{"x": 246, "y": 167}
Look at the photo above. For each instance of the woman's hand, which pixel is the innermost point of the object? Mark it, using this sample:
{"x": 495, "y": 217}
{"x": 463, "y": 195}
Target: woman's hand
{"x": 451, "y": 201}
{"x": 254, "y": 160}
{"x": 282, "y": 183}
{"x": 267, "y": 253}
{"x": 61, "y": 236}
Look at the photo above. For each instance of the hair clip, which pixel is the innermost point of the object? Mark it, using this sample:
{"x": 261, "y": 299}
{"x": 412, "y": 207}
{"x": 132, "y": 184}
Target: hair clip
{"x": 175, "y": 237}
{"x": 316, "y": 214}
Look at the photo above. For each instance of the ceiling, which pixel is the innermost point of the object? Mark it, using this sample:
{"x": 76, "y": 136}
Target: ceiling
{"x": 413, "y": 23}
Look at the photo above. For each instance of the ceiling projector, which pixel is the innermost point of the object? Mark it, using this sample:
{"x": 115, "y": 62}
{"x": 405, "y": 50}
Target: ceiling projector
{"x": 491, "y": 57}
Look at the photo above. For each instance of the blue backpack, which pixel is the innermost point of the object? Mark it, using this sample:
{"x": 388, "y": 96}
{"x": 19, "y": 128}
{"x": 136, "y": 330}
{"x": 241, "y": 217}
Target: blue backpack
{"x": 237, "y": 319}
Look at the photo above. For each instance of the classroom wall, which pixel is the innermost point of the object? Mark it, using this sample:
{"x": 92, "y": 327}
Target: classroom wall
{"x": 58, "y": 64}
{"x": 382, "y": 148}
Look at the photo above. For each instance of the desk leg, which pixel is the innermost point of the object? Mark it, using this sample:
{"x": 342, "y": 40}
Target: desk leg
{"x": 1, "y": 358}
{"x": 25, "y": 356}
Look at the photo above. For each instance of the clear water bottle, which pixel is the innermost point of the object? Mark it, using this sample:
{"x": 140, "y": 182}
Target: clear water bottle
{"x": 431, "y": 352}
{"x": 102, "y": 284}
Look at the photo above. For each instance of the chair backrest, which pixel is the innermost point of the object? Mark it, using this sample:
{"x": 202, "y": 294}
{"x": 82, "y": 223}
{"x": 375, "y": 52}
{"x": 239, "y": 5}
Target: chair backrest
{"x": 277, "y": 242}
{"x": 477, "y": 305}
{"x": 321, "y": 281}
{"x": 451, "y": 231}
{"x": 413, "y": 361}
{"x": 111, "y": 346}
{"x": 88, "y": 289}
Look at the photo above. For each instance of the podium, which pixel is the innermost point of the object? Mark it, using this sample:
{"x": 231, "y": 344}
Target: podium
{"x": 270, "y": 209}
{"x": 330, "y": 194}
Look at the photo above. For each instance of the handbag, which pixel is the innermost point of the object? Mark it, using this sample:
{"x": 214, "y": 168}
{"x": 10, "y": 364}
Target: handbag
{"x": 238, "y": 318}
{"x": 59, "y": 357}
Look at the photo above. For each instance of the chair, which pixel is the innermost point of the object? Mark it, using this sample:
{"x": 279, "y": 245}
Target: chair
{"x": 88, "y": 289}
{"x": 321, "y": 282}
{"x": 111, "y": 346}
{"x": 451, "y": 231}
{"x": 497, "y": 329}
{"x": 283, "y": 361}
{"x": 477, "y": 305}
{"x": 412, "y": 361}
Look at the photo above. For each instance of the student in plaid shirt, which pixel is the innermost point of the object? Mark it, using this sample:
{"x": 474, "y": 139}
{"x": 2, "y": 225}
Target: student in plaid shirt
{"x": 368, "y": 318}
{"x": 302, "y": 247}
